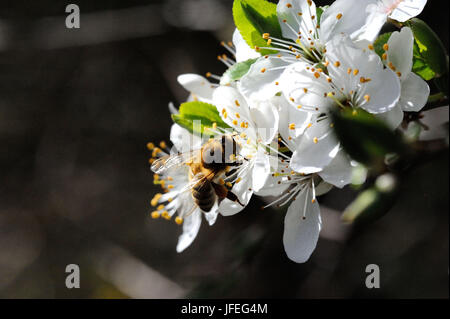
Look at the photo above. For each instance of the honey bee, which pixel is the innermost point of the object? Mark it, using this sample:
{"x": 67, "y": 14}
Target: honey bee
{"x": 208, "y": 169}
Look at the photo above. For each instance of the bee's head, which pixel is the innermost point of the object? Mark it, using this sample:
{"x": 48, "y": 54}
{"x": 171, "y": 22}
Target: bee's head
{"x": 219, "y": 153}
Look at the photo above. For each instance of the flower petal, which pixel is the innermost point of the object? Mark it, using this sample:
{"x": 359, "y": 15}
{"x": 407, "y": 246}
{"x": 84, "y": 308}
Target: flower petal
{"x": 262, "y": 80}
{"x": 392, "y": 118}
{"x": 408, "y": 9}
{"x": 243, "y": 190}
{"x": 400, "y": 53}
{"x": 415, "y": 93}
{"x": 339, "y": 171}
{"x": 291, "y": 22}
{"x": 265, "y": 117}
{"x": 261, "y": 169}
{"x": 183, "y": 140}
{"x": 301, "y": 87}
{"x": 352, "y": 15}
{"x": 230, "y": 102}
{"x": 243, "y": 50}
{"x": 291, "y": 115}
{"x": 316, "y": 149}
{"x": 301, "y": 234}
{"x": 191, "y": 226}
{"x": 199, "y": 86}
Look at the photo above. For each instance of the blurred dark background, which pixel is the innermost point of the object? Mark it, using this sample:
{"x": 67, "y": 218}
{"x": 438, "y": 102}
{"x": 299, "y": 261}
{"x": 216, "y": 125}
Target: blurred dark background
{"x": 77, "y": 108}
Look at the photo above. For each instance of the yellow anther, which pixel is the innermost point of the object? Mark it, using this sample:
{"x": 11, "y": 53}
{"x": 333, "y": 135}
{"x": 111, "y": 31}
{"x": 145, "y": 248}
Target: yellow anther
{"x": 367, "y": 97}
{"x": 317, "y": 75}
{"x": 339, "y": 16}
{"x": 160, "y": 207}
{"x": 292, "y": 126}
{"x": 155, "y": 215}
{"x": 309, "y": 2}
{"x": 355, "y": 72}
{"x": 263, "y": 70}
{"x": 170, "y": 199}
{"x": 150, "y": 146}
{"x": 354, "y": 112}
{"x": 165, "y": 215}
{"x": 214, "y": 125}
{"x": 327, "y": 63}
{"x": 238, "y": 116}
{"x": 266, "y": 36}
{"x": 309, "y": 125}
{"x": 162, "y": 144}
{"x": 384, "y": 56}
{"x": 289, "y": 5}
{"x": 329, "y": 80}
{"x": 155, "y": 177}
{"x": 208, "y": 74}
{"x": 257, "y": 48}
{"x": 391, "y": 66}
{"x": 229, "y": 184}
{"x": 313, "y": 200}
{"x": 315, "y": 140}
{"x": 237, "y": 103}
{"x": 269, "y": 42}
{"x": 225, "y": 115}
{"x": 179, "y": 220}
{"x": 170, "y": 186}
{"x": 332, "y": 125}
{"x": 299, "y": 107}
{"x": 305, "y": 90}
{"x": 399, "y": 74}
{"x": 364, "y": 80}
{"x": 151, "y": 160}
{"x": 277, "y": 83}
{"x": 242, "y": 124}
{"x": 371, "y": 47}
{"x": 291, "y": 99}
{"x": 235, "y": 122}
{"x": 349, "y": 70}
{"x": 386, "y": 47}
{"x": 238, "y": 180}
{"x": 243, "y": 135}
{"x": 337, "y": 64}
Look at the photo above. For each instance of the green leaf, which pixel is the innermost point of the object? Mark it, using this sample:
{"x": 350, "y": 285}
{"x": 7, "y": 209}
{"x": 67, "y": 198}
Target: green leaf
{"x": 380, "y": 42}
{"x": 236, "y": 72}
{"x": 319, "y": 12}
{"x": 365, "y": 138}
{"x": 253, "y": 18}
{"x": 428, "y": 49}
{"x": 197, "y": 116}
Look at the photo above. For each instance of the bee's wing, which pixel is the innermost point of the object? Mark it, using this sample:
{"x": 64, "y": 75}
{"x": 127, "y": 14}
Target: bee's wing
{"x": 168, "y": 162}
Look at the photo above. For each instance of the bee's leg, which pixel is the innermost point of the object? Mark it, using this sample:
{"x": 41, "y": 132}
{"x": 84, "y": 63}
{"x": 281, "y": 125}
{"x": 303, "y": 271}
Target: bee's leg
{"x": 231, "y": 196}
{"x": 222, "y": 192}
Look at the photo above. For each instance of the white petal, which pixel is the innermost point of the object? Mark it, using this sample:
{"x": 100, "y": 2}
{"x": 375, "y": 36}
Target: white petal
{"x": 243, "y": 190}
{"x": 288, "y": 10}
{"x": 265, "y": 117}
{"x": 300, "y": 86}
{"x": 408, "y": 9}
{"x": 191, "y": 226}
{"x": 384, "y": 91}
{"x": 258, "y": 85}
{"x": 292, "y": 115}
{"x": 392, "y": 118}
{"x": 316, "y": 149}
{"x": 415, "y": 93}
{"x": 339, "y": 171}
{"x": 211, "y": 216}
{"x": 323, "y": 188}
{"x": 375, "y": 20}
{"x": 199, "y": 86}
{"x": 301, "y": 235}
{"x": 243, "y": 50}
{"x": 183, "y": 140}
{"x": 400, "y": 52}
{"x": 274, "y": 185}
{"x": 261, "y": 170}
{"x": 229, "y": 99}
{"x": 353, "y": 18}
